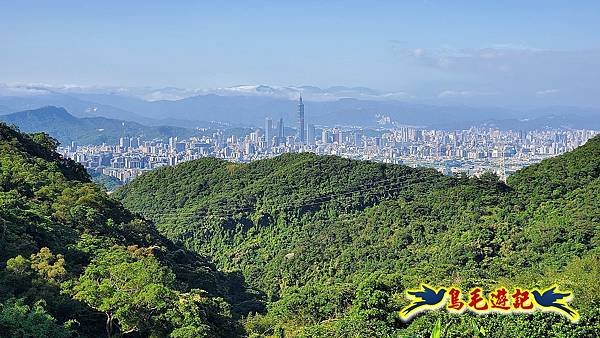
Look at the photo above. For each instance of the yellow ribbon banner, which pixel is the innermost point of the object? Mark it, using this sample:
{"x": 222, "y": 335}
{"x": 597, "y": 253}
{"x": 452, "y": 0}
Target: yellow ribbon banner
{"x": 501, "y": 300}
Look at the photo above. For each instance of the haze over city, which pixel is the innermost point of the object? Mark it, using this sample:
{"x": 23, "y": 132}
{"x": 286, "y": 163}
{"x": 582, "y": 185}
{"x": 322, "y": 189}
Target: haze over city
{"x": 286, "y": 169}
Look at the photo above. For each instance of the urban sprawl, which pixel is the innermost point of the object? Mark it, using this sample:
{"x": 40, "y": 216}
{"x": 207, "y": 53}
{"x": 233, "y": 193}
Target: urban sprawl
{"x": 472, "y": 151}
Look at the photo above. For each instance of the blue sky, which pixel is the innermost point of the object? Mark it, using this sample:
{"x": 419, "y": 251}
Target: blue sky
{"x": 521, "y": 52}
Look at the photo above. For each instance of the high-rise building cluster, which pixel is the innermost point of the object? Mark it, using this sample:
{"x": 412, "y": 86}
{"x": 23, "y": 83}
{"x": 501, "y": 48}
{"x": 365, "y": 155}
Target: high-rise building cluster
{"x": 471, "y": 151}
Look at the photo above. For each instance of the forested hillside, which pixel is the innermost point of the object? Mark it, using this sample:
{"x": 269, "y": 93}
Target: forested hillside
{"x": 75, "y": 263}
{"x": 109, "y": 183}
{"x": 333, "y": 243}
{"x": 556, "y": 177}
{"x": 298, "y": 245}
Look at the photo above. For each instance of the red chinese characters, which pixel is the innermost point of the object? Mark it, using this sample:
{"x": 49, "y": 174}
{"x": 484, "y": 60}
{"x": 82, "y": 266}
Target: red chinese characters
{"x": 499, "y": 300}
{"x": 455, "y": 304}
{"x": 476, "y": 301}
{"x": 522, "y": 300}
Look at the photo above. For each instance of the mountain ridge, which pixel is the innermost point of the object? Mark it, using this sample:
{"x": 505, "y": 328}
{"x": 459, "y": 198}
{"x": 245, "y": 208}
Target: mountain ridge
{"x": 328, "y": 244}
{"x": 240, "y": 106}
{"x": 86, "y": 130}
{"x": 313, "y": 230}
{"x": 75, "y": 263}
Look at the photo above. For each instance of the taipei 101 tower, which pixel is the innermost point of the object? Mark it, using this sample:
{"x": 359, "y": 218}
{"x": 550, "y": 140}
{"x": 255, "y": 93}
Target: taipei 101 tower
{"x": 301, "y": 128}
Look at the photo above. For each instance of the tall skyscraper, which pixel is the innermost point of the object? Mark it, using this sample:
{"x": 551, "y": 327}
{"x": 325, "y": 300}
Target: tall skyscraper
{"x": 310, "y": 135}
{"x": 134, "y": 142}
{"x": 280, "y": 132}
{"x": 325, "y": 136}
{"x": 358, "y": 138}
{"x": 301, "y": 129}
{"x": 124, "y": 142}
{"x": 268, "y": 132}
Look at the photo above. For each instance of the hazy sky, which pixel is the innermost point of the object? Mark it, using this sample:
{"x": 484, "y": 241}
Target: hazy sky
{"x": 497, "y": 51}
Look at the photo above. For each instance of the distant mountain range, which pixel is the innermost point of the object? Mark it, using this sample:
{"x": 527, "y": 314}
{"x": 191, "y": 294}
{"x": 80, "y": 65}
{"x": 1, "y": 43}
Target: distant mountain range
{"x": 311, "y": 93}
{"x": 86, "y": 130}
{"x": 249, "y": 105}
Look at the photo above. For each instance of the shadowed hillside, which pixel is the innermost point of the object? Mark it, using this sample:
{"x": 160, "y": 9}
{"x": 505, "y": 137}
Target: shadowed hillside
{"x": 334, "y": 242}
{"x": 74, "y": 262}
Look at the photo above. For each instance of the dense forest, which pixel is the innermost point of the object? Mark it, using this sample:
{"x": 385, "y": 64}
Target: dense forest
{"x": 109, "y": 183}
{"x": 75, "y": 263}
{"x": 333, "y": 243}
{"x": 298, "y": 245}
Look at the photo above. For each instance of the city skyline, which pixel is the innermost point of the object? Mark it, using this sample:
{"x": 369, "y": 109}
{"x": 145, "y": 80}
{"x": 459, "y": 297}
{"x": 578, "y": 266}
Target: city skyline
{"x": 473, "y": 151}
{"x": 259, "y": 168}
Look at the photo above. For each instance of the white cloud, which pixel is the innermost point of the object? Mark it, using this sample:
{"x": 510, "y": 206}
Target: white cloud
{"x": 310, "y": 93}
{"x": 521, "y": 73}
{"x": 498, "y": 58}
{"x": 464, "y": 94}
{"x": 21, "y": 90}
{"x": 546, "y": 92}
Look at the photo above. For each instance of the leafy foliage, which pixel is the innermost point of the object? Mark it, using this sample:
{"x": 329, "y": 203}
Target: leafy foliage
{"x": 66, "y": 243}
{"x": 109, "y": 183}
{"x": 20, "y": 320}
{"x": 328, "y": 244}
{"x": 334, "y": 242}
